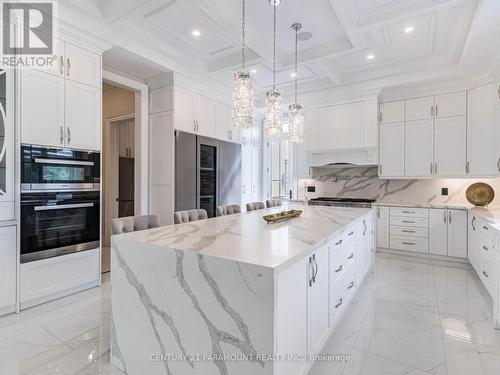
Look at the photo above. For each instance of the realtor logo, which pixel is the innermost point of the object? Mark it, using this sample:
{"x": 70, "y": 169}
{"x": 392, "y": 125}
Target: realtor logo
{"x": 35, "y": 30}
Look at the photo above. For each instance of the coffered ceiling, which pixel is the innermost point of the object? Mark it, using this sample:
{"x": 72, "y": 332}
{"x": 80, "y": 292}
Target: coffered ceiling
{"x": 344, "y": 41}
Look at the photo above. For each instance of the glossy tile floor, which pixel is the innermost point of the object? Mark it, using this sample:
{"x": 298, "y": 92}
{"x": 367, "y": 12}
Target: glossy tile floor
{"x": 411, "y": 318}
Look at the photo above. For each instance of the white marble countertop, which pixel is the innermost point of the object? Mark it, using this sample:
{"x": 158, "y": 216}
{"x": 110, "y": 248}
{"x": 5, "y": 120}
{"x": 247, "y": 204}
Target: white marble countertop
{"x": 247, "y": 238}
{"x": 457, "y": 206}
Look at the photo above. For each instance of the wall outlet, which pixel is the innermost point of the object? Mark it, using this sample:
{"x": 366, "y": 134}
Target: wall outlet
{"x": 311, "y": 189}
{"x": 444, "y": 191}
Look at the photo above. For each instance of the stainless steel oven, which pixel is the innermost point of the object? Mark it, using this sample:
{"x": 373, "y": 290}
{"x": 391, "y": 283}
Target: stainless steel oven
{"x": 58, "y": 223}
{"x": 58, "y": 169}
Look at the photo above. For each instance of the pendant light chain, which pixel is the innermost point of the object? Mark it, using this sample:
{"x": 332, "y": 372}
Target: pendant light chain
{"x": 296, "y": 61}
{"x": 243, "y": 25}
{"x": 274, "y": 49}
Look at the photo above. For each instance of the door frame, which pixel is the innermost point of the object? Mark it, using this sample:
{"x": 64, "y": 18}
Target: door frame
{"x": 141, "y": 133}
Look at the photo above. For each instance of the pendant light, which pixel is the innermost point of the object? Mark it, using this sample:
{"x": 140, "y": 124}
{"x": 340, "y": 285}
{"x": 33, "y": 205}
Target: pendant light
{"x": 274, "y": 100}
{"x": 243, "y": 98}
{"x": 295, "y": 110}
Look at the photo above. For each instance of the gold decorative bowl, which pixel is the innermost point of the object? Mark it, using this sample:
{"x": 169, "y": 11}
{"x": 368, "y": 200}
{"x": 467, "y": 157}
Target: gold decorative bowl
{"x": 480, "y": 194}
{"x": 284, "y": 215}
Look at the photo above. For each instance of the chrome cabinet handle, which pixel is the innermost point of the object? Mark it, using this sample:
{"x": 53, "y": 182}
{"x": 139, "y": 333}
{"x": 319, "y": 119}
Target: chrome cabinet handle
{"x": 338, "y": 269}
{"x": 365, "y": 227}
{"x": 485, "y": 227}
{"x": 407, "y": 231}
{"x": 339, "y": 304}
{"x": 486, "y": 274}
{"x": 351, "y": 256}
{"x": 68, "y": 63}
{"x": 449, "y": 217}
{"x": 408, "y": 243}
{"x": 472, "y": 223}
{"x": 498, "y": 164}
{"x": 311, "y": 269}
{"x": 408, "y": 212}
{"x": 444, "y": 216}
{"x": 61, "y": 65}
{"x": 350, "y": 233}
{"x": 61, "y": 134}
{"x": 69, "y": 134}
{"x": 467, "y": 167}
{"x": 338, "y": 243}
{"x": 408, "y": 221}
{"x": 436, "y": 167}
{"x": 351, "y": 285}
{"x": 432, "y": 111}
{"x": 485, "y": 247}
{"x": 380, "y": 169}
{"x": 194, "y": 125}
{"x": 62, "y": 206}
{"x": 378, "y": 212}
{"x": 436, "y": 111}
{"x": 315, "y": 265}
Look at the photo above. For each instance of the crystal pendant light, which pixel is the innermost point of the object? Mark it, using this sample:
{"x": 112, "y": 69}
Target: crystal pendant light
{"x": 274, "y": 100}
{"x": 243, "y": 87}
{"x": 295, "y": 110}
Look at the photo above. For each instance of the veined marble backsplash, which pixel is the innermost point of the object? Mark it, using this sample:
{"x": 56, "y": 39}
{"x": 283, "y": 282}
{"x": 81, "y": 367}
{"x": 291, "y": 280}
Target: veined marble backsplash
{"x": 363, "y": 182}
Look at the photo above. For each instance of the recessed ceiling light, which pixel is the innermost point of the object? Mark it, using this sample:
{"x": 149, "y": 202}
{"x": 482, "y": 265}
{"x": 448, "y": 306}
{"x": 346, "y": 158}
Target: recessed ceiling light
{"x": 275, "y": 2}
{"x": 409, "y": 29}
{"x": 196, "y": 33}
{"x": 293, "y": 75}
{"x": 253, "y": 71}
{"x": 370, "y": 56}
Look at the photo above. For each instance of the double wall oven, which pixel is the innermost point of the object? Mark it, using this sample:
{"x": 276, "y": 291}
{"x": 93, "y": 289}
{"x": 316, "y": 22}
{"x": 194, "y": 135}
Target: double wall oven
{"x": 60, "y": 202}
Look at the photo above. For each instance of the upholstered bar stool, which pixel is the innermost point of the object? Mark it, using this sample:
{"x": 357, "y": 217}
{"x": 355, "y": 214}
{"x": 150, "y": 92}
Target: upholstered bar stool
{"x": 273, "y": 203}
{"x": 228, "y": 210}
{"x": 190, "y": 215}
{"x": 134, "y": 223}
{"x": 255, "y": 206}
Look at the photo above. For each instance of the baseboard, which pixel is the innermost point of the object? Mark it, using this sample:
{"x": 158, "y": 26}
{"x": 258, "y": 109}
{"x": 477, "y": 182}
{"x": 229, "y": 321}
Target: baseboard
{"x": 54, "y": 296}
{"x": 7, "y": 310}
{"x": 438, "y": 258}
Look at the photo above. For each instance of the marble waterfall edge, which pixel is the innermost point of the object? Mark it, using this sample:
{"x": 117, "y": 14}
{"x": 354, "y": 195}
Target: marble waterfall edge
{"x": 172, "y": 315}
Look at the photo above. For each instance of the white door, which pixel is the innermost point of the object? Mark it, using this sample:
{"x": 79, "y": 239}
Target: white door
{"x": 419, "y": 148}
{"x": 42, "y": 108}
{"x": 450, "y": 146}
{"x": 438, "y": 228}
{"x": 205, "y": 115}
{"x": 318, "y": 301}
{"x": 480, "y": 124}
{"x": 291, "y": 315}
{"x": 256, "y": 174}
{"x": 419, "y": 108}
{"x": 83, "y": 116}
{"x": 257, "y": 135}
{"x": 131, "y": 137}
{"x": 184, "y": 110}
{"x": 392, "y": 112}
{"x": 82, "y": 65}
{"x": 246, "y": 175}
{"x": 457, "y": 233}
{"x": 392, "y": 143}
{"x": 7, "y": 266}
{"x": 453, "y": 104}
{"x": 383, "y": 227}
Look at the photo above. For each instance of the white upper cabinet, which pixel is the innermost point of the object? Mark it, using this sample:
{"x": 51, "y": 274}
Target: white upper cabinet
{"x": 419, "y": 150}
{"x": 42, "y": 108}
{"x": 344, "y": 127}
{"x": 226, "y": 131}
{"x": 82, "y": 116}
{"x": 183, "y": 110}
{"x": 419, "y": 108}
{"x": 481, "y": 155}
{"x": 392, "y": 151}
{"x": 392, "y": 112}
{"x": 82, "y": 65}
{"x": 453, "y": 104}
{"x": 450, "y": 146}
{"x": 205, "y": 116}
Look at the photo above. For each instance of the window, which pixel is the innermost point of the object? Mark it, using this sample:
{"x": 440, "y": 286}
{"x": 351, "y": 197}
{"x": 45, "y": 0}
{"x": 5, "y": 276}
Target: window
{"x": 280, "y": 169}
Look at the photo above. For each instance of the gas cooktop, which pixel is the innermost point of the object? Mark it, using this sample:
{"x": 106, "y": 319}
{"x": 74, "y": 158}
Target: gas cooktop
{"x": 342, "y": 202}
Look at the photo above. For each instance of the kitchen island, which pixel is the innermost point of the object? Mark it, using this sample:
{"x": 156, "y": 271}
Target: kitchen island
{"x": 235, "y": 295}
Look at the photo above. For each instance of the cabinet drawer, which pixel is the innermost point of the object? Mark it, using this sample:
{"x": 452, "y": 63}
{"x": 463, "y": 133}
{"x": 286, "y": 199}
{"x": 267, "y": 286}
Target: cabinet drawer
{"x": 487, "y": 278}
{"x": 485, "y": 229}
{"x": 419, "y": 245}
{"x": 486, "y": 249}
{"x": 341, "y": 290}
{"x": 337, "y": 245}
{"x": 409, "y": 231}
{"x": 338, "y": 264}
{"x": 410, "y": 212}
{"x": 419, "y": 222}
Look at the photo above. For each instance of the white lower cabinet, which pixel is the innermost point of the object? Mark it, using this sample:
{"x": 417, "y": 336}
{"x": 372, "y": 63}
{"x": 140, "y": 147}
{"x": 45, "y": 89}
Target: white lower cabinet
{"x": 447, "y": 232}
{"x": 52, "y": 278}
{"x": 313, "y": 293}
{"x": 317, "y": 301}
{"x": 8, "y": 266}
{"x": 383, "y": 227}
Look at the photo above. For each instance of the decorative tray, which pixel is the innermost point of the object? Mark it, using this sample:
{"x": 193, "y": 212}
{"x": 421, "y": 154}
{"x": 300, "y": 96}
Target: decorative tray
{"x": 280, "y": 216}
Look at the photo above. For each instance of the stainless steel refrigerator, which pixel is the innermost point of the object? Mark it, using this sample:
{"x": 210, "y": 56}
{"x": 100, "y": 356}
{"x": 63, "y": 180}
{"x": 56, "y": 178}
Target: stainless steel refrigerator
{"x": 207, "y": 173}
